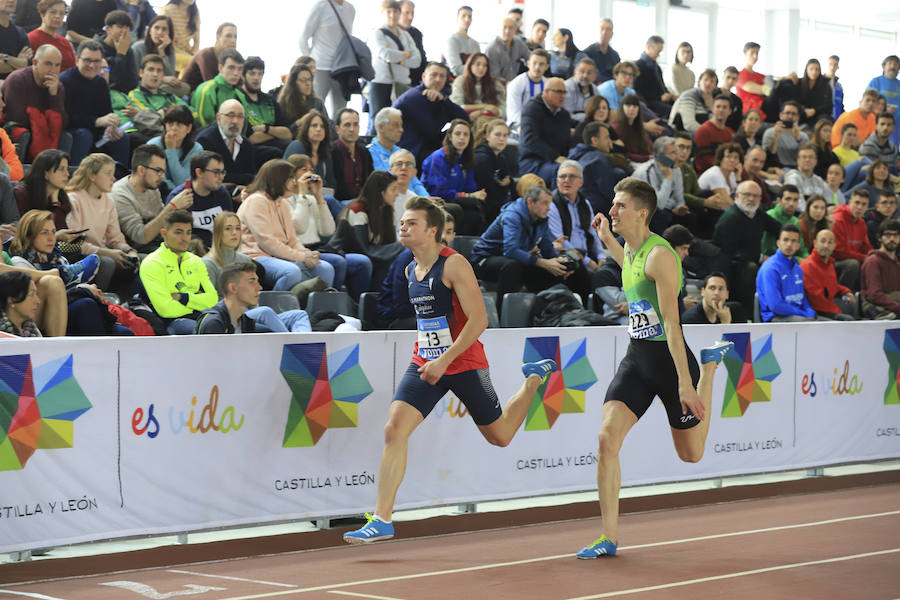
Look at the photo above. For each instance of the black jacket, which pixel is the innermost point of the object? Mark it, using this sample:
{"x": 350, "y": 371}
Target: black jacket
{"x": 238, "y": 171}
{"x": 341, "y": 191}
{"x": 217, "y": 320}
{"x": 545, "y": 136}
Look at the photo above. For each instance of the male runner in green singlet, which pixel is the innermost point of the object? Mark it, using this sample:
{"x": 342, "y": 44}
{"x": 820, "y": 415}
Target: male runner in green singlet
{"x": 658, "y": 362}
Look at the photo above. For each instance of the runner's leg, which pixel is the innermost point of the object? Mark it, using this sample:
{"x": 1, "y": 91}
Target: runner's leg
{"x": 402, "y": 421}
{"x": 501, "y": 431}
{"x": 690, "y": 443}
{"x": 617, "y": 422}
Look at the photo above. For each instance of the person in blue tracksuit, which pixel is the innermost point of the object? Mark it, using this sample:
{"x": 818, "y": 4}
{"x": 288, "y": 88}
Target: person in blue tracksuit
{"x": 779, "y": 282}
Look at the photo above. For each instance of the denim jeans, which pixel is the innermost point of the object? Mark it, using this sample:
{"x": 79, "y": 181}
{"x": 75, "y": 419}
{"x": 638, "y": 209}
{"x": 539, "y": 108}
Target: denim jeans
{"x": 353, "y": 269}
{"x": 83, "y": 142}
{"x": 268, "y": 321}
{"x": 284, "y": 274}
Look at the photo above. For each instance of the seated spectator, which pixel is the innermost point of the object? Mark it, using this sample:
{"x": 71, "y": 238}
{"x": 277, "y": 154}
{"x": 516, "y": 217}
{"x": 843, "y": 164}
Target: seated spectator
{"x": 314, "y": 140}
{"x": 14, "y": 43}
{"x": 139, "y": 203}
{"x": 506, "y": 54}
{"x": 449, "y": 173}
{"x": 268, "y": 231}
{"x": 477, "y": 91}
{"x": 570, "y": 220}
{"x": 389, "y": 128}
{"x": 178, "y": 143}
{"x": 10, "y": 165}
{"x": 804, "y": 177}
{"x": 666, "y": 180}
{"x": 629, "y": 126}
{"x": 43, "y": 188}
{"x": 834, "y": 179}
{"x": 160, "y": 33}
{"x": 86, "y": 19}
{"x": 597, "y": 109}
{"x": 19, "y": 304}
{"x": 149, "y": 96}
{"x": 851, "y": 238}
{"x": 782, "y": 141}
{"x": 711, "y": 134}
{"x": 210, "y": 198}
{"x": 706, "y": 205}
{"x": 94, "y": 214}
{"x": 751, "y": 86}
{"x": 813, "y": 220}
{"x": 459, "y": 45}
{"x": 877, "y": 180}
{"x": 785, "y": 211}
{"x": 649, "y": 84}
{"x": 205, "y": 64}
{"x": 209, "y": 96}
{"x": 681, "y": 78}
{"x": 352, "y": 163}
{"x": 36, "y": 101}
{"x": 526, "y": 86}
{"x": 820, "y": 280}
{"x": 238, "y": 310}
{"x": 615, "y": 89}
{"x": 846, "y": 151}
{"x": 694, "y": 105}
{"x": 580, "y": 89}
{"x": 779, "y": 282}
{"x": 863, "y": 117}
{"x": 91, "y": 119}
{"x": 722, "y": 177}
{"x": 602, "y": 53}
{"x": 425, "y": 111}
{"x": 888, "y": 84}
{"x": 738, "y": 233}
{"x": 750, "y": 132}
{"x": 115, "y": 45}
{"x": 186, "y": 39}
{"x": 403, "y": 167}
{"x": 821, "y": 142}
{"x": 176, "y": 281}
{"x": 296, "y": 97}
{"x": 878, "y": 145}
{"x": 538, "y": 34}
{"x": 815, "y": 94}
{"x": 594, "y": 154}
{"x": 35, "y": 248}
{"x": 545, "y": 139}
{"x": 881, "y": 275}
{"x": 885, "y": 209}
{"x": 53, "y": 13}
{"x": 562, "y": 54}
{"x": 730, "y": 77}
{"x": 493, "y": 168}
{"x": 225, "y": 249}
{"x": 268, "y": 132}
{"x": 394, "y": 53}
{"x": 224, "y": 138}
{"x": 506, "y": 251}
{"x": 713, "y": 308}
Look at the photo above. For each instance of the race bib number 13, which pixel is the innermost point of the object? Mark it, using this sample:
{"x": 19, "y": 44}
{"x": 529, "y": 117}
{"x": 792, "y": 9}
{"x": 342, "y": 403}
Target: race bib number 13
{"x": 434, "y": 337}
{"x": 643, "y": 322}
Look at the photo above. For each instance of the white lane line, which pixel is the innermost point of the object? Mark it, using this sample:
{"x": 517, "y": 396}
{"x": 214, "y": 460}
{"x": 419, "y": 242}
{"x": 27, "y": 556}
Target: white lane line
{"x": 287, "y": 585}
{"x": 555, "y": 557}
{"x": 29, "y": 595}
{"x": 665, "y": 586}
{"x": 358, "y": 595}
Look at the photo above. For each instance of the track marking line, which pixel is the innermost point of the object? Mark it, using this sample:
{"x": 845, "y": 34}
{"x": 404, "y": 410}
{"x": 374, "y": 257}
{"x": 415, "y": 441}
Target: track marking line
{"x": 570, "y": 555}
{"x": 29, "y": 595}
{"x": 287, "y": 585}
{"x": 358, "y": 595}
{"x": 665, "y": 586}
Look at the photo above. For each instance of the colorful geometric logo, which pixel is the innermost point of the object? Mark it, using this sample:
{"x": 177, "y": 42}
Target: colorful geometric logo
{"x": 564, "y": 390}
{"x": 322, "y": 396}
{"x": 892, "y": 351}
{"x": 749, "y": 379}
{"x": 37, "y": 408}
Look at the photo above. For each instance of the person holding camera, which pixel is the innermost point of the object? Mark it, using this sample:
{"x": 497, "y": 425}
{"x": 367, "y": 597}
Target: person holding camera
{"x": 782, "y": 141}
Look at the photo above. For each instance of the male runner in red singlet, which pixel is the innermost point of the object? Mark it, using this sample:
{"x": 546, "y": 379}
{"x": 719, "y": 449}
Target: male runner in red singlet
{"x": 448, "y": 356}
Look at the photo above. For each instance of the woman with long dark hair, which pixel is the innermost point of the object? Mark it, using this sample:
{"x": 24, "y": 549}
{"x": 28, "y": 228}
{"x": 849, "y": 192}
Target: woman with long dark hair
{"x": 477, "y": 91}
{"x": 562, "y": 54}
{"x": 297, "y": 97}
{"x": 821, "y": 141}
{"x": 813, "y": 220}
{"x": 19, "y": 305}
{"x": 375, "y": 208}
{"x": 314, "y": 140}
{"x": 682, "y": 78}
{"x": 44, "y": 188}
{"x": 815, "y": 94}
{"x": 449, "y": 173}
{"x": 597, "y": 109}
{"x": 750, "y": 132}
{"x": 878, "y": 180}
{"x": 630, "y": 128}
{"x": 178, "y": 142}
{"x": 159, "y": 41}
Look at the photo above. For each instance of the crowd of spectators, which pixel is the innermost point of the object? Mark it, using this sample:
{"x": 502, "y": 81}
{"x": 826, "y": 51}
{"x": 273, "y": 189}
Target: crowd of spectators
{"x": 140, "y": 168}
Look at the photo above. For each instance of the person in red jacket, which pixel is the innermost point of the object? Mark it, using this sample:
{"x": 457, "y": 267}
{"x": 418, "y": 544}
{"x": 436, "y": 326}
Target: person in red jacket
{"x": 851, "y": 239}
{"x": 820, "y": 279}
{"x": 881, "y": 275}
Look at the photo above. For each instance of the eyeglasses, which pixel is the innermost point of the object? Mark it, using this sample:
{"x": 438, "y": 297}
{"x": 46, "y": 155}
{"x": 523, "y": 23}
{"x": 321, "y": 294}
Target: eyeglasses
{"x": 746, "y": 195}
{"x": 403, "y": 163}
{"x": 216, "y": 172}
{"x": 626, "y": 73}
{"x": 562, "y": 91}
{"x": 233, "y": 115}
{"x": 156, "y": 170}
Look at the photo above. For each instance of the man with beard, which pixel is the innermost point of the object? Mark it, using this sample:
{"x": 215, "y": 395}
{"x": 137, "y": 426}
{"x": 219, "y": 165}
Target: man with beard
{"x": 580, "y": 88}
{"x": 889, "y": 86}
{"x": 224, "y": 137}
{"x": 881, "y": 275}
{"x": 785, "y": 211}
{"x": 267, "y": 131}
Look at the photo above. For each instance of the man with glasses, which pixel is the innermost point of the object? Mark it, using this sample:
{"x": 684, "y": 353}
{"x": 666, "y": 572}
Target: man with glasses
{"x": 211, "y": 94}
{"x": 224, "y": 137}
{"x": 92, "y": 123}
{"x": 138, "y": 203}
{"x": 783, "y": 139}
{"x": 621, "y": 84}
{"x": 210, "y": 198}
{"x": 545, "y": 140}
{"x": 885, "y": 208}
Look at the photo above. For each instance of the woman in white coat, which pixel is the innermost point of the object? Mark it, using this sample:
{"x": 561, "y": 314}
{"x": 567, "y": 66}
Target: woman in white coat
{"x": 394, "y": 53}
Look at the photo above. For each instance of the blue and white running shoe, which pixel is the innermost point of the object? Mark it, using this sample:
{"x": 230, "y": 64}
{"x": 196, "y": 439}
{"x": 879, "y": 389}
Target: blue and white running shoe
{"x": 374, "y": 530}
{"x": 716, "y": 352}
{"x": 541, "y": 368}
{"x": 599, "y": 547}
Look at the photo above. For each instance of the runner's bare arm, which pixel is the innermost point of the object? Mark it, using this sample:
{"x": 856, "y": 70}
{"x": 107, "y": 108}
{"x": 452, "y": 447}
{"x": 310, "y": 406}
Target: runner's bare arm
{"x": 613, "y": 247}
{"x": 662, "y": 267}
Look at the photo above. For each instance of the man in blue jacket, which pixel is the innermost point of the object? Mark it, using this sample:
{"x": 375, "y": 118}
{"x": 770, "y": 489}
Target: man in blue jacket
{"x": 517, "y": 249}
{"x": 779, "y": 282}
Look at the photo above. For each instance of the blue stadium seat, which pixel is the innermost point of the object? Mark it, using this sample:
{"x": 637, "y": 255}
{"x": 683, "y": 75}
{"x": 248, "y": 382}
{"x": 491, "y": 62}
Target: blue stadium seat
{"x": 339, "y": 302}
{"x": 516, "y": 309}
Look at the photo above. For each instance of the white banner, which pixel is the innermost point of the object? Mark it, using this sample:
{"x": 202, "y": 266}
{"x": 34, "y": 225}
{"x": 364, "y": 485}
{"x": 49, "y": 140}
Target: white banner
{"x": 104, "y": 438}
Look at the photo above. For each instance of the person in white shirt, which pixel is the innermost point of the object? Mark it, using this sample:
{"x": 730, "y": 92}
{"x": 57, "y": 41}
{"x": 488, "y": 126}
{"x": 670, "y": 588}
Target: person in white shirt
{"x": 723, "y": 175}
{"x": 460, "y": 45}
{"x": 394, "y": 53}
{"x": 320, "y": 39}
{"x": 526, "y": 86}
{"x": 580, "y": 88}
{"x": 804, "y": 178}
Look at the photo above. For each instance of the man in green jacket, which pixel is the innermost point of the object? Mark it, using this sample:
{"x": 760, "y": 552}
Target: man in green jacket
{"x": 785, "y": 212}
{"x": 211, "y": 94}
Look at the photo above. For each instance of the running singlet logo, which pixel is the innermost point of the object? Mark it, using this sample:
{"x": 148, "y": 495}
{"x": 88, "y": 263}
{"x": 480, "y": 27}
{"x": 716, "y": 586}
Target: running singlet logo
{"x": 434, "y": 337}
{"x": 643, "y": 322}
